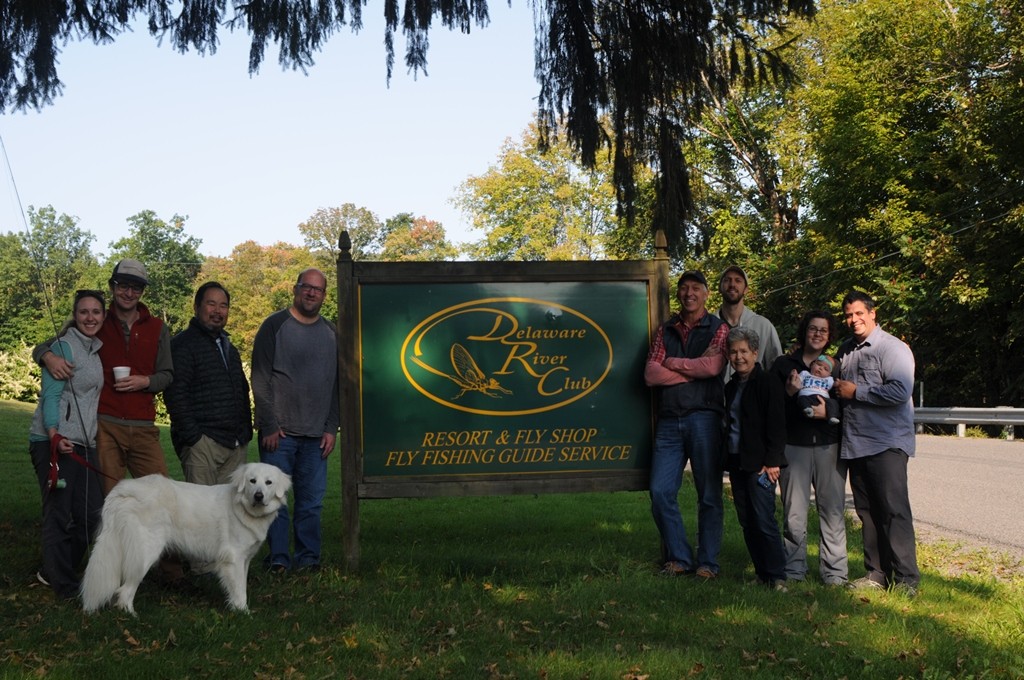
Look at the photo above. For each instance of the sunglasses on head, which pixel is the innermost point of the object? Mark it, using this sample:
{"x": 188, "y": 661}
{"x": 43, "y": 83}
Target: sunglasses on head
{"x": 98, "y": 294}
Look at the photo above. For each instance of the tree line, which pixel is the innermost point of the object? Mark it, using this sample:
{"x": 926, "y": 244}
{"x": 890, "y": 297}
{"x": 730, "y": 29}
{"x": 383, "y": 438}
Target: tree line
{"x": 892, "y": 165}
{"x": 45, "y": 265}
{"x": 889, "y": 163}
{"x": 642, "y": 66}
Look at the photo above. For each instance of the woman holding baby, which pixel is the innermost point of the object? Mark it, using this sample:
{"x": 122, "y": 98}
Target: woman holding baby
{"x": 812, "y": 451}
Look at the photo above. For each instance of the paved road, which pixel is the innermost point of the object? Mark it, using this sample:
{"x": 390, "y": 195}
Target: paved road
{"x": 970, "y": 490}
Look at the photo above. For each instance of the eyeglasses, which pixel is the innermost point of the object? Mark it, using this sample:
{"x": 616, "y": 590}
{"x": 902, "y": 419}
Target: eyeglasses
{"x": 310, "y": 288}
{"x": 136, "y": 288}
{"x": 811, "y": 330}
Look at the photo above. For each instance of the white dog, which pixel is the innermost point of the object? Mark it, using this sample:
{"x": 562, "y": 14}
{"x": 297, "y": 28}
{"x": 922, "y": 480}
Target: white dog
{"x": 222, "y": 525}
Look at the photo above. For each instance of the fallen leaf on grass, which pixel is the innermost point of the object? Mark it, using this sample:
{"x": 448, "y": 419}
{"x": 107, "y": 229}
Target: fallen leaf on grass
{"x": 635, "y": 674}
{"x": 906, "y": 654}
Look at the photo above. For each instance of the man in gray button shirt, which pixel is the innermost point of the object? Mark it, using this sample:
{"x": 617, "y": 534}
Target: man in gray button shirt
{"x": 877, "y": 386}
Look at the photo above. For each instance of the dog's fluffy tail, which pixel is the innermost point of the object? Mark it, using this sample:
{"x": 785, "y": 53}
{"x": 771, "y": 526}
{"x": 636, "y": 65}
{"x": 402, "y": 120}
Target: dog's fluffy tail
{"x": 103, "y": 573}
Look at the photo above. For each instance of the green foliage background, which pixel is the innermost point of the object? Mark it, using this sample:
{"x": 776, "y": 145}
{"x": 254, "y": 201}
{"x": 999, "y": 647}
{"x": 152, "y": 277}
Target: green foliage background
{"x": 891, "y": 164}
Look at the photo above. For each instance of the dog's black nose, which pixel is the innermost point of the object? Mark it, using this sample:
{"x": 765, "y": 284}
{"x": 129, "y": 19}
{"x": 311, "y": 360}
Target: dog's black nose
{"x": 258, "y": 496}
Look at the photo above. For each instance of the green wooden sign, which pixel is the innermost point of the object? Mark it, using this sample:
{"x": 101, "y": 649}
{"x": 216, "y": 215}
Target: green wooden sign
{"x": 503, "y": 378}
{"x": 482, "y": 378}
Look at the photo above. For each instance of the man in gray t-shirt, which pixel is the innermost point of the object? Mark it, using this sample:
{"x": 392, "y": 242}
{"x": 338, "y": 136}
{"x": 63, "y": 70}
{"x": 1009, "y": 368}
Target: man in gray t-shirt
{"x": 732, "y": 284}
{"x": 295, "y": 387}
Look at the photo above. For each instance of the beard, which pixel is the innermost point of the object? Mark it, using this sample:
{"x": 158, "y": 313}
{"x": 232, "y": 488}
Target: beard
{"x": 732, "y": 297}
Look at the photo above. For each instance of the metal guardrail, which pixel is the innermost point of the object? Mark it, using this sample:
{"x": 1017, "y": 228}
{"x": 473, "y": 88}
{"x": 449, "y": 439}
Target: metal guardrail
{"x": 1006, "y": 416}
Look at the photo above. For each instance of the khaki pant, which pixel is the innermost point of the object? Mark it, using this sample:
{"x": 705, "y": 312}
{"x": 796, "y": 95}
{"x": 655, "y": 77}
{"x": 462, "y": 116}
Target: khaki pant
{"x": 207, "y": 462}
{"x": 128, "y": 448}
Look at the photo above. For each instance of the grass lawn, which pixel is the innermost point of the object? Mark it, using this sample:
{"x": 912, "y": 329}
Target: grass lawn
{"x": 556, "y": 586}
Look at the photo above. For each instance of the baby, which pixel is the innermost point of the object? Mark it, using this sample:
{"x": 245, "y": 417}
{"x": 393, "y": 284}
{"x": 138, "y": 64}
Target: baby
{"x": 817, "y": 383}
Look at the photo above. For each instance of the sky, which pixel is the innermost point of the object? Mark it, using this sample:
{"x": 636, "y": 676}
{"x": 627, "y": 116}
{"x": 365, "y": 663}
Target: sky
{"x": 141, "y": 127}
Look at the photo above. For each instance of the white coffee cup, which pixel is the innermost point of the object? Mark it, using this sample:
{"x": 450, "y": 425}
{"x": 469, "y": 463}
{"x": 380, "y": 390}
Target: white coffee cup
{"x": 122, "y": 372}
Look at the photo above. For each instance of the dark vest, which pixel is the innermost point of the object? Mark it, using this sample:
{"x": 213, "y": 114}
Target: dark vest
{"x": 707, "y": 394}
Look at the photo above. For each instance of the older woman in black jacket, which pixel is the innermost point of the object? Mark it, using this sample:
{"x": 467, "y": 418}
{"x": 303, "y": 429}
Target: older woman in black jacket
{"x": 755, "y": 443}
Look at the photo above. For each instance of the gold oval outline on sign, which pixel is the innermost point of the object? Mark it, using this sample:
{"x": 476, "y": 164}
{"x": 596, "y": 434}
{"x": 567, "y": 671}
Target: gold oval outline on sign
{"x": 454, "y": 310}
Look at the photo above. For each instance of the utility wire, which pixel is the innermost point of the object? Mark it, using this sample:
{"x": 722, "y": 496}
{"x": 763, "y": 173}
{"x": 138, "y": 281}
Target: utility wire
{"x": 973, "y": 225}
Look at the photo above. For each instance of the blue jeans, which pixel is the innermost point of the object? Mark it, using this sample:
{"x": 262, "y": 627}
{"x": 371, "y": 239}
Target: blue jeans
{"x": 299, "y": 457}
{"x": 696, "y": 438}
{"x": 755, "y": 510}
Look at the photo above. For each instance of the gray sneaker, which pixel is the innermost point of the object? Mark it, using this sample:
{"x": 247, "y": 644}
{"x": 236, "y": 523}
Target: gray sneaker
{"x": 866, "y": 583}
{"x": 905, "y": 589}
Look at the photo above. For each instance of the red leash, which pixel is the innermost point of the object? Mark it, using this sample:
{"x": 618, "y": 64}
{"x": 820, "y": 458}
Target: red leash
{"x": 54, "y": 480}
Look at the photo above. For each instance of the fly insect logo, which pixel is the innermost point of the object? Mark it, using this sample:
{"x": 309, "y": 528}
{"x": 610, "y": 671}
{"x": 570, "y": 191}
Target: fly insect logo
{"x": 506, "y": 356}
{"x": 468, "y": 375}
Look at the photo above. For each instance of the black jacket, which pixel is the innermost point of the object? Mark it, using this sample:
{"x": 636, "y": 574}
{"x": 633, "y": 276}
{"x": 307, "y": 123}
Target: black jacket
{"x": 205, "y": 397}
{"x": 762, "y": 420}
{"x": 801, "y": 430}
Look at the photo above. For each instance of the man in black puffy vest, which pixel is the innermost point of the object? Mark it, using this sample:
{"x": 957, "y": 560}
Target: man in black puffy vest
{"x": 685, "y": 364}
{"x": 208, "y": 401}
